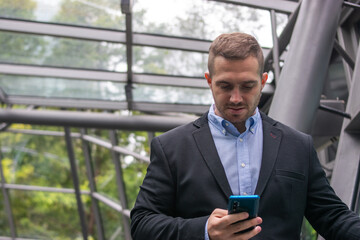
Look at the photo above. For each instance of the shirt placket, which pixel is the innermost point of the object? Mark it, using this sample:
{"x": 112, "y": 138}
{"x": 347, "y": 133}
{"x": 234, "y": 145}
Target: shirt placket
{"x": 243, "y": 166}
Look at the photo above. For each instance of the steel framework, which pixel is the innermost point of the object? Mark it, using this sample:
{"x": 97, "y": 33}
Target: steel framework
{"x": 300, "y": 60}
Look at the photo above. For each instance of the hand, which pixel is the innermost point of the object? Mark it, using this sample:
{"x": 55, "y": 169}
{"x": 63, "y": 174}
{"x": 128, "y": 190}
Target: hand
{"x": 222, "y": 225}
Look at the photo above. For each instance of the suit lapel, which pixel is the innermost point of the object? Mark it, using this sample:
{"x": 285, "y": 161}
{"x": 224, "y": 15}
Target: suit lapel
{"x": 206, "y": 145}
{"x": 271, "y": 142}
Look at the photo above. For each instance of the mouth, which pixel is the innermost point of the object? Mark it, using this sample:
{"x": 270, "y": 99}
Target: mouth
{"x": 236, "y": 110}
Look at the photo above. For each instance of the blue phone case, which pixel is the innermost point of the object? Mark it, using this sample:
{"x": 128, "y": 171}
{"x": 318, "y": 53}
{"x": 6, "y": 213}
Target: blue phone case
{"x": 244, "y": 203}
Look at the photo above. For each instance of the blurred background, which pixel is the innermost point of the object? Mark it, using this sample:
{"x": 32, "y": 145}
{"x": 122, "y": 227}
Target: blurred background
{"x": 86, "y": 84}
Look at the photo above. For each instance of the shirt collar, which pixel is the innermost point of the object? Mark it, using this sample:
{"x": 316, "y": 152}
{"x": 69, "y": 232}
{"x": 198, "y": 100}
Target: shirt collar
{"x": 225, "y": 126}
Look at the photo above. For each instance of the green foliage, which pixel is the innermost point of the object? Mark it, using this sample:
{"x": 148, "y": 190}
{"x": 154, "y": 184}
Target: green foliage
{"x": 307, "y": 231}
{"x": 95, "y": 13}
{"x": 17, "y": 8}
{"x": 43, "y": 161}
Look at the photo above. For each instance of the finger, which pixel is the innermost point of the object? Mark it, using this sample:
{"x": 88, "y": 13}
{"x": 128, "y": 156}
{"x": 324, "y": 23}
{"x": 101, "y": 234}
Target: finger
{"x": 236, "y": 217}
{"x": 218, "y": 212}
{"x": 245, "y": 225}
{"x": 249, "y": 234}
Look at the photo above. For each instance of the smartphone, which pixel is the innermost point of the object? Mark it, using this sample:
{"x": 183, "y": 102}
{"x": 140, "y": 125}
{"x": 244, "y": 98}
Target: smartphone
{"x": 244, "y": 203}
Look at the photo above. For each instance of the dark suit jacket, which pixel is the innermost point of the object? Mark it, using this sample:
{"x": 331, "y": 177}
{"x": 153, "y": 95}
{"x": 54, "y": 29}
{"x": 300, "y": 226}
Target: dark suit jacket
{"x": 186, "y": 181}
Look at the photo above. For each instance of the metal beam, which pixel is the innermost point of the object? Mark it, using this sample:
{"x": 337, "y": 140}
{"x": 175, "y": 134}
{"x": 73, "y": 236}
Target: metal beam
{"x": 352, "y": 5}
{"x": 126, "y": 9}
{"x": 283, "y": 39}
{"x": 67, "y": 73}
{"x": 114, "y": 148}
{"x": 298, "y": 93}
{"x": 92, "y": 120}
{"x": 96, "y": 195}
{"x": 58, "y": 30}
{"x": 42, "y": 189}
{"x": 277, "y": 5}
{"x": 67, "y": 103}
{"x": 153, "y": 40}
{"x": 107, "y": 105}
{"x": 84, "y": 137}
{"x": 167, "y": 80}
{"x": 275, "y": 49}
{"x": 354, "y": 124}
{"x": 112, "y": 204}
{"x": 72, "y": 74}
{"x": 348, "y": 153}
{"x": 347, "y": 12}
{"x": 42, "y": 132}
{"x": 116, "y": 36}
{"x": 344, "y": 54}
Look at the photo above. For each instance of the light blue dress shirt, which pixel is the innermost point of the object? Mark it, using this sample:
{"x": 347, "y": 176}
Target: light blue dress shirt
{"x": 240, "y": 153}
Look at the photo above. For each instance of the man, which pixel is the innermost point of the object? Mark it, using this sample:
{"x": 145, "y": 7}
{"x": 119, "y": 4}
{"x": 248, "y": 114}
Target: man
{"x": 236, "y": 150}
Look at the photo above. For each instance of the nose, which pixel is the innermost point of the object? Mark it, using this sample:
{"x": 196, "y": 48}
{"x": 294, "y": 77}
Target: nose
{"x": 236, "y": 96}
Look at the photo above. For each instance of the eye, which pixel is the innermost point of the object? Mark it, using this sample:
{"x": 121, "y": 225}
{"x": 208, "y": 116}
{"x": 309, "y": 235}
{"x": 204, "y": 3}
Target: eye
{"x": 248, "y": 86}
{"x": 224, "y": 86}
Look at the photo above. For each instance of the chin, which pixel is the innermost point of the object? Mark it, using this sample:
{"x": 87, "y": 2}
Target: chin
{"x": 236, "y": 119}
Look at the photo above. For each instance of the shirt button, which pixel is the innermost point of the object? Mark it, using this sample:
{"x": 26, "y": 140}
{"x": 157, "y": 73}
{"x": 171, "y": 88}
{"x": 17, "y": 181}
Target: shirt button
{"x": 252, "y": 129}
{"x": 240, "y": 139}
{"x": 223, "y": 131}
{"x": 227, "y": 124}
{"x": 245, "y": 193}
{"x": 243, "y": 165}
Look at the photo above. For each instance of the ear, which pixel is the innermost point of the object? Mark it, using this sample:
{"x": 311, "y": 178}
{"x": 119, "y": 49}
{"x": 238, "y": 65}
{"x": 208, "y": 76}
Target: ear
{"x": 264, "y": 79}
{"x": 207, "y": 76}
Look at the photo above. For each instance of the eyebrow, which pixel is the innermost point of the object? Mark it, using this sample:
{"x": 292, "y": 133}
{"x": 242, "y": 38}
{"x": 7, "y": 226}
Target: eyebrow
{"x": 244, "y": 82}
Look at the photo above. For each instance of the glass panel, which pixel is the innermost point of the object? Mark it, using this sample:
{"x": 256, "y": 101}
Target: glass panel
{"x": 133, "y": 170}
{"x": 80, "y": 162}
{"x": 281, "y": 21}
{"x": 165, "y": 94}
{"x": 44, "y": 215}
{"x": 200, "y": 19}
{"x": 172, "y": 62}
{"x": 62, "y": 88}
{"x": 113, "y": 222}
{"x": 35, "y": 160}
{"x": 4, "y": 221}
{"x": 104, "y": 172}
{"x": 61, "y": 52}
{"x": 94, "y": 13}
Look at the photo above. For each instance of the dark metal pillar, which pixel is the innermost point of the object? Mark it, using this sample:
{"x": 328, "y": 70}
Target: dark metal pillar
{"x": 276, "y": 58}
{"x": 126, "y": 7}
{"x": 120, "y": 183}
{"x": 298, "y": 92}
{"x": 92, "y": 184}
{"x": 76, "y": 182}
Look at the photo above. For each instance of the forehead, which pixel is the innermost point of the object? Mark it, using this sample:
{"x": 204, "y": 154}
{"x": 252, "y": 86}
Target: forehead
{"x": 248, "y": 67}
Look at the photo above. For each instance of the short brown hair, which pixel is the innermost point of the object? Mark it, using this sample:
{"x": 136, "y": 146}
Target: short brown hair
{"x": 236, "y": 46}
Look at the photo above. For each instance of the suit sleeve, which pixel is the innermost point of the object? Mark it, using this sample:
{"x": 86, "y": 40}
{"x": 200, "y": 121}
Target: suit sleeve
{"x": 153, "y": 216}
{"x": 325, "y": 211}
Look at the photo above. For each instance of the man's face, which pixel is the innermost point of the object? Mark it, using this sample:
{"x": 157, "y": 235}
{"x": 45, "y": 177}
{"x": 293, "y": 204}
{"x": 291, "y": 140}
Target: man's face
{"x": 236, "y": 87}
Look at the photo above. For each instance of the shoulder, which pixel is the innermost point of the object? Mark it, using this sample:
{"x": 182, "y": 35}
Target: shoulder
{"x": 183, "y": 131}
{"x": 285, "y": 130}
